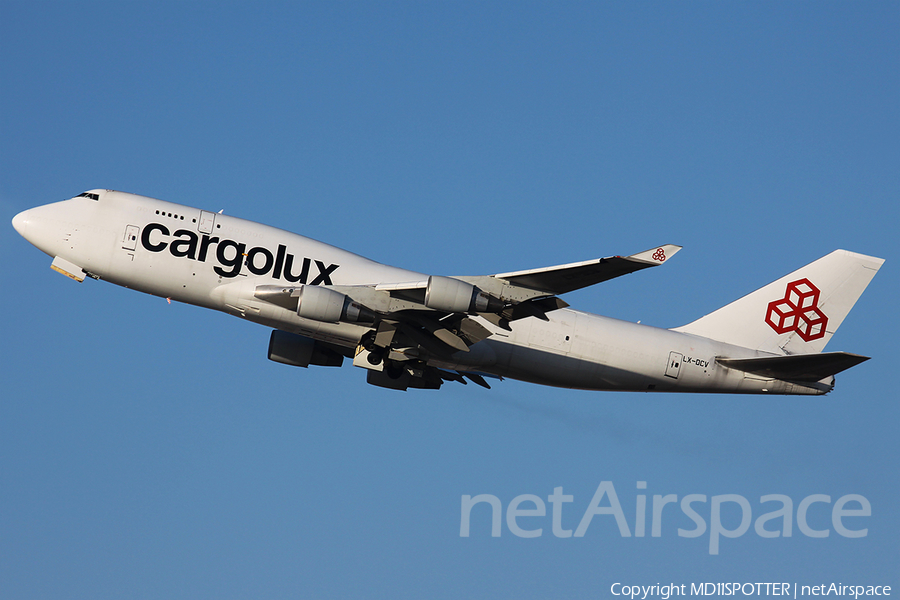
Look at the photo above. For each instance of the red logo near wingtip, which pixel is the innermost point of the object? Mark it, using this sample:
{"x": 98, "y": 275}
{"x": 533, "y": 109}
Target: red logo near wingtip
{"x": 798, "y": 311}
{"x": 659, "y": 255}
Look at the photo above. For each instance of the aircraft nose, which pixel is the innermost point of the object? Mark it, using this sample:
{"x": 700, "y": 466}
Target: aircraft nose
{"x": 44, "y": 226}
{"x": 21, "y": 222}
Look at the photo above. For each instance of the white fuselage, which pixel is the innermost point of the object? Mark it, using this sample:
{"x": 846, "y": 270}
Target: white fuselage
{"x": 217, "y": 261}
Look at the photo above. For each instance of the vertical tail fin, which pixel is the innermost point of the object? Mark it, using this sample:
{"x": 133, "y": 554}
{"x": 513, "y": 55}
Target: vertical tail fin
{"x": 797, "y": 314}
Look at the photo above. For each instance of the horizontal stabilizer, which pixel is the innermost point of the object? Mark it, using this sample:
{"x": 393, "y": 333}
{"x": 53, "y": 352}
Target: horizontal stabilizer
{"x": 796, "y": 367}
{"x": 566, "y": 278}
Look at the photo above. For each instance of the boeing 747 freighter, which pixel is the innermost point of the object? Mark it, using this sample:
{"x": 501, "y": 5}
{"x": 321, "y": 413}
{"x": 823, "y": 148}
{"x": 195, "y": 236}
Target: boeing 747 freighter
{"x": 418, "y": 330}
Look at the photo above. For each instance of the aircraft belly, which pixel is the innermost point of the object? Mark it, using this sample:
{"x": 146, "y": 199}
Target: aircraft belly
{"x": 609, "y": 354}
{"x": 162, "y": 277}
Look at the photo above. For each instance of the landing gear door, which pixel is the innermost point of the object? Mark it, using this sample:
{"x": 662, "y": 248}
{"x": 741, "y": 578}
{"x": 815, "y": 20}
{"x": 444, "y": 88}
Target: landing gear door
{"x": 207, "y": 221}
{"x": 674, "y": 366}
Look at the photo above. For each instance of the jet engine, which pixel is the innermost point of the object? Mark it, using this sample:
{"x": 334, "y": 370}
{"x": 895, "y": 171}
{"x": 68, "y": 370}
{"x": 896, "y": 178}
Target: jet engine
{"x": 300, "y": 351}
{"x": 452, "y": 295}
{"x": 322, "y": 304}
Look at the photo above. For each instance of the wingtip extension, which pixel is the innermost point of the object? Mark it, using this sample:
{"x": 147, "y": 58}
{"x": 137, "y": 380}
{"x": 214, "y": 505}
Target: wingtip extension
{"x": 657, "y": 255}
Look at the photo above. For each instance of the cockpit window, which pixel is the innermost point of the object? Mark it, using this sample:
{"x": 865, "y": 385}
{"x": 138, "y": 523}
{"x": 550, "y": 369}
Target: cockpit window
{"x": 89, "y": 195}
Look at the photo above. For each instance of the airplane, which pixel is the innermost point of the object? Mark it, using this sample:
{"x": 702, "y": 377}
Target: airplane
{"x": 417, "y": 330}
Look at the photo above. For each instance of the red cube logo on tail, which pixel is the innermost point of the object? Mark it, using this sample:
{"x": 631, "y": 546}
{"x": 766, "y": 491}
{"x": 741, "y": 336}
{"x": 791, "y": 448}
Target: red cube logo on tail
{"x": 798, "y": 311}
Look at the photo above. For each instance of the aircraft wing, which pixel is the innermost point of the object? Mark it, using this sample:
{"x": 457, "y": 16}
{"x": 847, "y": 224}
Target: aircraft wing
{"x": 566, "y": 278}
{"x": 434, "y": 314}
{"x": 405, "y": 307}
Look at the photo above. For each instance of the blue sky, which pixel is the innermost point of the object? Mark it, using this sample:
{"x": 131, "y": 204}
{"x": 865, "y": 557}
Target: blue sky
{"x": 150, "y": 450}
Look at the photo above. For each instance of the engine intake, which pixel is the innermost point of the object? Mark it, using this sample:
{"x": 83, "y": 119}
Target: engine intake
{"x": 452, "y": 295}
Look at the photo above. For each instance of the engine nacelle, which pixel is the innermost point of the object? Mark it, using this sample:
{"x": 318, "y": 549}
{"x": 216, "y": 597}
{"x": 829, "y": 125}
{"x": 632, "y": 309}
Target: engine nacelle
{"x": 399, "y": 378}
{"x": 452, "y": 295}
{"x": 323, "y": 304}
{"x": 300, "y": 351}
